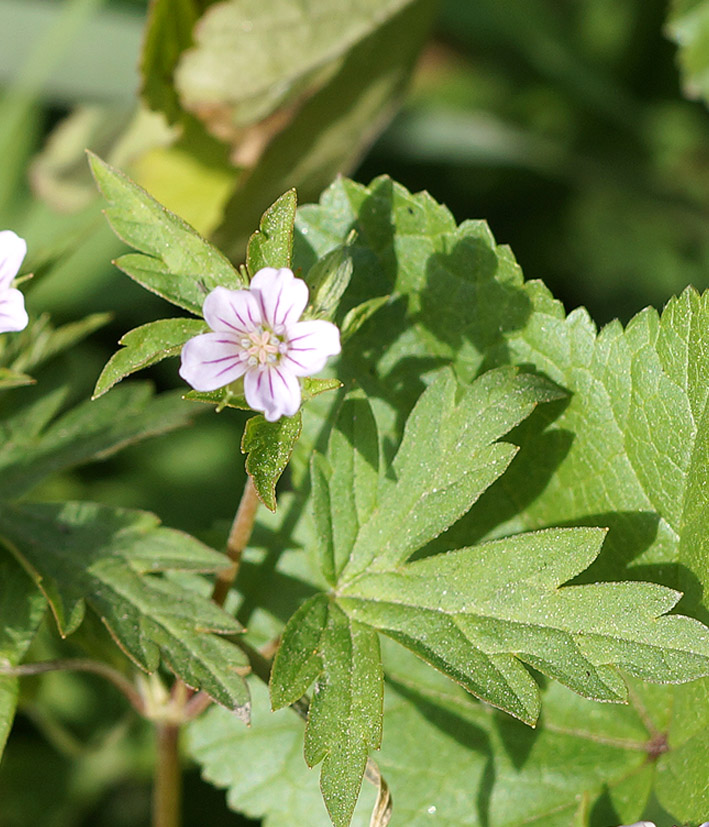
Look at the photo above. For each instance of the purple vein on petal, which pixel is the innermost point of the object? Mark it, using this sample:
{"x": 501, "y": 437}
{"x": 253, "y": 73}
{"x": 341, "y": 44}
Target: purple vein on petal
{"x": 229, "y": 324}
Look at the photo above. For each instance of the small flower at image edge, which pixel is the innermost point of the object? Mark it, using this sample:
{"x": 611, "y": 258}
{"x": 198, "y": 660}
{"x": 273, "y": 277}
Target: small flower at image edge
{"x": 257, "y": 334}
{"x": 13, "y": 315}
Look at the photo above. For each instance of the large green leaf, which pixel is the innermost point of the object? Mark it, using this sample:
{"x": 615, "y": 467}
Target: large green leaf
{"x": 90, "y": 431}
{"x": 448, "y": 760}
{"x": 21, "y": 610}
{"x": 174, "y": 261}
{"x": 83, "y": 554}
{"x": 627, "y": 451}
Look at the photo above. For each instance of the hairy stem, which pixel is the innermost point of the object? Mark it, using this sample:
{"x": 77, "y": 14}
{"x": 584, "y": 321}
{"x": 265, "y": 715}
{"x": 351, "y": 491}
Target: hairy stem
{"x": 167, "y": 789}
{"x": 239, "y": 536}
{"x": 124, "y": 686}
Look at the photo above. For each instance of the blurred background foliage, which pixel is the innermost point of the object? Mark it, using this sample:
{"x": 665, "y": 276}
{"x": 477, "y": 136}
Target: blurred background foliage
{"x": 575, "y": 127}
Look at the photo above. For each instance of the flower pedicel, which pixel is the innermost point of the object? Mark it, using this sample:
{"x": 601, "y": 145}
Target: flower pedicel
{"x": 13, "y": 315}
{"x": 257, "y": 334}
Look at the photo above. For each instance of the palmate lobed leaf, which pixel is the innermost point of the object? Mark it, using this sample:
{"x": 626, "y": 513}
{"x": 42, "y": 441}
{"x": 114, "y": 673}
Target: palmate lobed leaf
{"x": 108, "y": 559}
{"x": 477, "y": 614}
{"x": 447, "y": 457}
{"x": 628, "y": 451}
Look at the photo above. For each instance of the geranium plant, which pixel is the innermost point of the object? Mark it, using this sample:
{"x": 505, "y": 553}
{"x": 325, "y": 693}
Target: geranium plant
{"x": 467, "y": 570}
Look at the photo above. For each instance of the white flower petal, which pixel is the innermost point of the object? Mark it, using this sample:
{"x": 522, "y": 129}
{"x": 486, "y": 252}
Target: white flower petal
{"x": 231, "y": 310}
{"x": 13, "y": 315}
{"x": 212, "y": 360}
{"x": 273, "y": 390}
{"x": 282, "y": 296}
{"x": 309, "y": 345}
{"x": 12, "y": 251}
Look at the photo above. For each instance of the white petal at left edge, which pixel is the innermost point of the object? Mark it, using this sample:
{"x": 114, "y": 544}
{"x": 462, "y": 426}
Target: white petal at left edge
{"x": 273, "y": 390}
{"x": 211, "y": 361}
{"x": 13, "y": 250}
{"x": 13, "y": 316}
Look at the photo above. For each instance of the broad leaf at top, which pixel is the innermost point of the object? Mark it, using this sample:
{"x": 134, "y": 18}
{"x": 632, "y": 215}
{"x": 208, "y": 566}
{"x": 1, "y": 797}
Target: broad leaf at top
{"x": 174, "y": 261}
{"x": 84, "y": 554}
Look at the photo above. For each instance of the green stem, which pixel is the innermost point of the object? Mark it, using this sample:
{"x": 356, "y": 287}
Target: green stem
{"x": 167, "y": 789}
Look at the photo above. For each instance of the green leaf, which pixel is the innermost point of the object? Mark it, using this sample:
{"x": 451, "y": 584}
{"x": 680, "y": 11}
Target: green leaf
{"x": 268, "y": 446}
{"x": 345, "y": 717}
{"x": 14, "y": 379}
{"x": 272, "y": 244}
{"x": 472, "y": 618}
{"x": 168, "y": 33}
{"x": 357, "y": 316}
{"x": 174, "y": 261}
{"x": 345, "y": 485}
{"x": 90, "y": 431}
{"x": 262, "y": 765}
{"x": 83, "y": 554}
{"x": 21, "y": 610}
{"x": 343, "y": 109}
{"x": 688, "y": 26}
{"x": 145, "y": 346}
{"x": 436, "y": 755}
{"x": 284, "y": 52}
{"x": 446, "y": 460}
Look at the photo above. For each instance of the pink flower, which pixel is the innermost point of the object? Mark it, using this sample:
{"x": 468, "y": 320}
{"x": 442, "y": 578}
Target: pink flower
{"x": 257, "y": 334}
{"x": 13, "y": 315}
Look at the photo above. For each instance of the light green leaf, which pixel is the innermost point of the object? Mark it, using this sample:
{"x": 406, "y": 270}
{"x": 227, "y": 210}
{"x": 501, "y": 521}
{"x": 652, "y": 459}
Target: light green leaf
{"x": 252, "y": 57}
{"x": 345, "y": 715}
{"x": 448, "y": 456}
{"x": 345, "y": 485}
{"x": 268, "y": 446}
{"x": 145, "y": 346}
{"x": 473, "y": 612}
{"x": 321, "y": 644}
{"x": 262, "y": 766}
{"x": 272, "y": 244}
{"x": 168, "y": 33}
{"x": 90, "y": 431}
{"x": 688, "y": 26}
{"x": 83, "y": 554}
{"x": 357, "y": 316}
{"x": 437, "y": 756}
{"x": 328, "y": 128}
{"x": 21, "y": 609}
{"x": 174, "y": 261}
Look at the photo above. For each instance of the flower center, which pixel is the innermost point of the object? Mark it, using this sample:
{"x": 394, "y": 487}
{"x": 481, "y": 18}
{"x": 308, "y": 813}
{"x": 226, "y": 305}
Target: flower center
{"x": 263, "y": 347}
